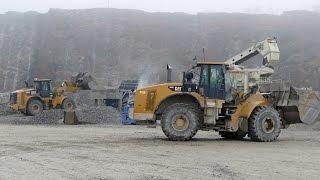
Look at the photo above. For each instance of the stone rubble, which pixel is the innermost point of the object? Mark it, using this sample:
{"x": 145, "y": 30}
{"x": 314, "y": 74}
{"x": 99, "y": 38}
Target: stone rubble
{"x": 5, "y": 110}
{"x": 86, "y": 112}
{"x": 4, "y": 98}
{"x": 98, "y": 115}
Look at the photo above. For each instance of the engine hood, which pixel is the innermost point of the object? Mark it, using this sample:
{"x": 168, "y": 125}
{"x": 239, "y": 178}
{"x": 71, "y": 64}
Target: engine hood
{"x": 158, "y": 86}
{"x": 23, "y": 90}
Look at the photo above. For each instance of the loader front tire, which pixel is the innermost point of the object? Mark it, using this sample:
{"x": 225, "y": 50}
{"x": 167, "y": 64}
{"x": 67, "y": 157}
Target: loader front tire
{"x": 34, "y": 107}
{"x": 180, "y": 122}
{"x": 264, "y": 124}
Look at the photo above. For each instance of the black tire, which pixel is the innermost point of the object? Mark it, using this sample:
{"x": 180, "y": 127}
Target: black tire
{"x": 68, "y": 105}
{"x": 264, "y": 124}
{"x": 238, "y": 135}
{"x": 34, "y": 107}
{"x": 180, "y": 122}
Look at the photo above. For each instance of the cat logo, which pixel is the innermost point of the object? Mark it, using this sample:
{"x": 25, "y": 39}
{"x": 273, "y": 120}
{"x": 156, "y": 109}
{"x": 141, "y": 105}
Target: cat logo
{"x": 175, "y": 88}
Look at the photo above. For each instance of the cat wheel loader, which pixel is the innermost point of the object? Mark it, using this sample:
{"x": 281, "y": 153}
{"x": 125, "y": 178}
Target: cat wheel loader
{"x": 228, "y": 98}
{"x": 42, "y": 96}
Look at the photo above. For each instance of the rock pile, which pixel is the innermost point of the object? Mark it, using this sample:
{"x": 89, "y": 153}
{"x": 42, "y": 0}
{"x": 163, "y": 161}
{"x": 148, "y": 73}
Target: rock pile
{"x": 4, "y": 98}
{"x": 54, "y": 116}
{"x": 85, "y": 114}
{"x": 98, "y": 115}
{"x": 88, "y": 112}
{"x": 5, "y": 110}
{"x": 81, "y": 99}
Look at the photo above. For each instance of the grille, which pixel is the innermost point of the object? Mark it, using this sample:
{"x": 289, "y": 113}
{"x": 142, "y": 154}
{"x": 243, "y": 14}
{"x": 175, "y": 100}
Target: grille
{"x": 13, "y": 98}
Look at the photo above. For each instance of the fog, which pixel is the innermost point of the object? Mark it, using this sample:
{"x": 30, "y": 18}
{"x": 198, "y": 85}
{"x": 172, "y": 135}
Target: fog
{"x": 187, "y": 6}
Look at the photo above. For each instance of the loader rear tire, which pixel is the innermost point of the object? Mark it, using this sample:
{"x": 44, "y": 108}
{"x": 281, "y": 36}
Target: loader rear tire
{"x": 239, "y": 135}
{"x": 264, "y": 124}
{"x": 180, "y": 122}
{"x": 34, "y": 107}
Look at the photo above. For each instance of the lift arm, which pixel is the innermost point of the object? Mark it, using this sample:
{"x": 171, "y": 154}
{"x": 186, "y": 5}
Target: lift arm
{"x": 268, "y": 48}
{"x": 77, "y": 82}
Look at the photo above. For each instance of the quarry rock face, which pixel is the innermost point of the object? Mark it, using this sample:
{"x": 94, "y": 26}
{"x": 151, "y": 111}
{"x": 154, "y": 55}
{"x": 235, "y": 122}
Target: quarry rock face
{"x": 114, "y": 45}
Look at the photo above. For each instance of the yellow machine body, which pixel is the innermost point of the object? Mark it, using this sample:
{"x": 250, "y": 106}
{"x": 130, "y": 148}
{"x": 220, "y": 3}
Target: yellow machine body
{"x": 151, "y": 101}
{"x": 23, "y": 96}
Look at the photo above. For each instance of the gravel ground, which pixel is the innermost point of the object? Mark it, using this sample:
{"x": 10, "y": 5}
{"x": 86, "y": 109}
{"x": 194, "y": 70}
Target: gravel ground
{"x": 41, "y": 147}
{"x": 136, "y": 152}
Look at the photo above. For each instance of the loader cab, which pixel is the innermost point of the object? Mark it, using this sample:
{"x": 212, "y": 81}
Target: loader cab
{"x": 43, "y": 87}
{"x": 214, "y": 82}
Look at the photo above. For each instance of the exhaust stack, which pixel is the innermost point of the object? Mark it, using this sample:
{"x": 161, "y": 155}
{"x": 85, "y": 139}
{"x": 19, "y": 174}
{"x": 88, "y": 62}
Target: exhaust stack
{"x": 169, "y": 73}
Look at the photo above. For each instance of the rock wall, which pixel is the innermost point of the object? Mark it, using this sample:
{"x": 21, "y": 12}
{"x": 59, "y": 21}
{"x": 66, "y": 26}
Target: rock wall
{"x": 117, "y": 44}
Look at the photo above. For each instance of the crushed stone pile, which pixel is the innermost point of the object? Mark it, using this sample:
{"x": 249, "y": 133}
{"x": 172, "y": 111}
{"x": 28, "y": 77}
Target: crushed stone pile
{"x": 88, "y": 112}
{"x": 5, "y": 110}
{"x": 98, "y": 115}
{"x": 54, "y": 116}
{"x": 81, "y": 99}
{"x": 14, "y": 117}
{"x": 93, "y": 115}
{"x": 4, "y": 98}
{"x": 46, "y": 117}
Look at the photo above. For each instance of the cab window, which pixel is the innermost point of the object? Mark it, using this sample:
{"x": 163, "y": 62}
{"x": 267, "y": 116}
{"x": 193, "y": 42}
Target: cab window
{"x": 204, "y": 82}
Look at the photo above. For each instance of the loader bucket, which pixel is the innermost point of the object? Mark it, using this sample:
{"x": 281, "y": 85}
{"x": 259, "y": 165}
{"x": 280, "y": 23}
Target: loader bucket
{"x": 83, "y": 80}
{"x": 309, "y": 106}
{"x": 306, "y": 110}
{"x": 297, "y": 105}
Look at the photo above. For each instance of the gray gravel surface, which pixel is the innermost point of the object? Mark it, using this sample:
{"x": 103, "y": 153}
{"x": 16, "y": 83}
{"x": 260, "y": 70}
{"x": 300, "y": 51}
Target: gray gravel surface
{"x": 41, "y": 147}
{"x": 135, "y": 152}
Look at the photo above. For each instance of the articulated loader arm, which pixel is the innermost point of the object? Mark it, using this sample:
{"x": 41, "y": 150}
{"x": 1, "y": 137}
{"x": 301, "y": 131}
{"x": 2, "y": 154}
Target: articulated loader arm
{"x": 80, "y": 81}
{"x": 268, "y": 48}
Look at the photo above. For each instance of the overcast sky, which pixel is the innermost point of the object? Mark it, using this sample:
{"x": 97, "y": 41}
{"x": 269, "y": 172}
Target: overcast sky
{"x": 188, "y": 6}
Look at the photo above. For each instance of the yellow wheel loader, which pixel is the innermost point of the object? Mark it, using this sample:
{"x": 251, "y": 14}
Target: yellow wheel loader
{"x": 228, "y": 98}
{"x": 42, "y": 96}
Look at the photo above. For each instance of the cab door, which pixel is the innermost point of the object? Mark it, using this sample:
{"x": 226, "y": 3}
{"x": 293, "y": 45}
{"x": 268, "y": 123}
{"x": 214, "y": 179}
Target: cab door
{"x": 44, "y": 88}
{"x": 213, "y": 81}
